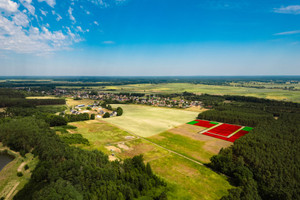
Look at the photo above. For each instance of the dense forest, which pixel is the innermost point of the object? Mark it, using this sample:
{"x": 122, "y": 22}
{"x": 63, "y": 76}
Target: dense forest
{"x": 66, "y": 172}
{"x": 264, "y": 164}
{"x": 9, "y": 98}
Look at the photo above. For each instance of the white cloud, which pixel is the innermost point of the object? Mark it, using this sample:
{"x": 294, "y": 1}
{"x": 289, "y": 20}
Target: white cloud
{"x": 58, "y": 18}
{"x": 288, "y": 33}
{"x": 8, "y": 5}
{"x": 49, "y": 2}
{"x": 13, "y": 37}
{"x": 71, "y": 15}
{"x": 21, "y": 19}
{"x": 28, "y": 6}
{"x": 292, "y": 9}
{"x": 96, "y": 23}
{"x": 44, "y": 12}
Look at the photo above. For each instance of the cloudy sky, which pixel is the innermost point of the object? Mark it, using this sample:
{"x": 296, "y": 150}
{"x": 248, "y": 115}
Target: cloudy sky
{"x": 149, "y": 37}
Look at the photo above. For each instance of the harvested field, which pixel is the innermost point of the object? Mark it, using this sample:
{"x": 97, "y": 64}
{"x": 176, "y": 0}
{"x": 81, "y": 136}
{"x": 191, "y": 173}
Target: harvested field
{"x": 146, "y": 121}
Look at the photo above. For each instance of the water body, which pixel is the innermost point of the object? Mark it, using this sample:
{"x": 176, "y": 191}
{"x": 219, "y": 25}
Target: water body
{"x": 4, "y": 160}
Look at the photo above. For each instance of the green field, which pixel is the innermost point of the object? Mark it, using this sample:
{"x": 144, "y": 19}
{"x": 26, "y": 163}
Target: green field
{"x": 187, "y": 180}
{"x": 277, "y": 94}
{"x": 184, "y": 145}
{"x": 146, "y": 121}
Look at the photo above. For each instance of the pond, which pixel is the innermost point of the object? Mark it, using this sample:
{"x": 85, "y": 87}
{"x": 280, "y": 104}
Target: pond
{"x": 4, "y": 159}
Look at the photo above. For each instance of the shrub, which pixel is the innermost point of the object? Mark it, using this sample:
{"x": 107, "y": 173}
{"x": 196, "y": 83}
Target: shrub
{"x": 19, "y": 174}
{"x": 106, "y": 115}
{"x": 92, "y": 116}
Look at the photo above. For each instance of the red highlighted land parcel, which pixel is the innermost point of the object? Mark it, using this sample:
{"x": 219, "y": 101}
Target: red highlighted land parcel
{"x": 222, "y": 131}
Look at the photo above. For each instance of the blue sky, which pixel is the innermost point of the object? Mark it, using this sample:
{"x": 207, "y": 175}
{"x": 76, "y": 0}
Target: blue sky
{"x": 149, "y": 37}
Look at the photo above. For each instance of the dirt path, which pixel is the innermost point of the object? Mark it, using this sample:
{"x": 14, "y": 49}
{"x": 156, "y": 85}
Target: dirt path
{"x": 21, "y": 166}
{"x": 12, "y": 190}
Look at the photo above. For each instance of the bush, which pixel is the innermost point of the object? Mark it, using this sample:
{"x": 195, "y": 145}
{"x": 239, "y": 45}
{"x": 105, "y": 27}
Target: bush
{"x": 19, "y": 174}
{"x": 119, "y": 111}
{"x": 92, "y": 116}
{"x": 26, "y": 167}
{"x": 106, "y": 115}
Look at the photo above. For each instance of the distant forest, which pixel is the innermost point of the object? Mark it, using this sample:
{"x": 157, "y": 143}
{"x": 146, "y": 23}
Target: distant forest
{"x": 52, "y": 82}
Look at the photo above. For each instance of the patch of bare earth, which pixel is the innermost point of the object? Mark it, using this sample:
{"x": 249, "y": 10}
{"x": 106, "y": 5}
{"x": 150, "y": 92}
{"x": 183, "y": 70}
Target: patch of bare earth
{"x": 113, "y": 149}
{"x": 196, "y": 109}
{"x": 211, "y": 144}
{"x": 123, "y": 146}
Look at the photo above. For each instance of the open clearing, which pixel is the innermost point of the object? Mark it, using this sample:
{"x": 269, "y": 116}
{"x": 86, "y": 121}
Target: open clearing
{"x": 146, "y": 121}
{"x": 187, "y": 179}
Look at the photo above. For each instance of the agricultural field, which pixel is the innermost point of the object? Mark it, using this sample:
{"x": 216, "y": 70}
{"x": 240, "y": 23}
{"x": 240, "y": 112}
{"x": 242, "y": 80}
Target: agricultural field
{"x": 71, "y": 102}
{"x": 184, "y": 177}
{"x": 42, "y": 97}
{"x": 186, "y": 140}
{"x": 146, "y": 121}
{"x": 223, "y": 131}
{"x": 276, "y": 94}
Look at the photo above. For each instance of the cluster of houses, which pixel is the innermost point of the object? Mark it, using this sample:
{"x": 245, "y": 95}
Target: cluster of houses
{"x": 147, "y": 100}
{"x": 126, "y": 98}
{"x": 95, "y": 107}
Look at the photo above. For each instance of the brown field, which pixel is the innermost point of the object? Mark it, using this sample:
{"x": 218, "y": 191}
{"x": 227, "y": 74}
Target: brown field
{"x": 211, "y": 144}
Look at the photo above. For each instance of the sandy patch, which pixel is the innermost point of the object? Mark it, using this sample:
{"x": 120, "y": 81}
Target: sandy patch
{"x": 113, "y": 149}
{"x": 129, "y": 137}
{"x": 123, "y": 146}
{"x": 112, "y": 158}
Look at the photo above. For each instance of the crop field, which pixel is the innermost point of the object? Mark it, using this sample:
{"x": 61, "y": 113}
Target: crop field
{"x": 146, "y": 121}
{"x": 277, "y": 94}
{"x": 187, "y": 180}
{"x": 222, "y": 131}
{"x": 71, "y": 102}
{"x": 42, "y": 97}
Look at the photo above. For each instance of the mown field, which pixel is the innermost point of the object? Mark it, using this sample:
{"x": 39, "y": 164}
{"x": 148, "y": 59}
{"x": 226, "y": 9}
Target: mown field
{"x": 187, "y": 180}
{"x": 277, "y": 94}
{"x": 146, "y": 121}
